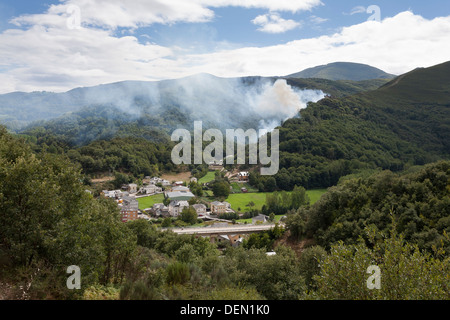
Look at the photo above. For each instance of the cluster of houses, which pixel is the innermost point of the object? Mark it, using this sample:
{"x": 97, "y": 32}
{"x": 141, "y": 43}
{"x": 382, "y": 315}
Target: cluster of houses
{"x": 178, "y": 194}
{"x": 151, "y": 186}
{"x": 126, "y": 197}
{"x": 175, "y": 208}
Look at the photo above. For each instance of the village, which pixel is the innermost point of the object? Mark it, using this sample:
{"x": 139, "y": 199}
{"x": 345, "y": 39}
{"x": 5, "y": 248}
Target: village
{"x": 177, "y": 197}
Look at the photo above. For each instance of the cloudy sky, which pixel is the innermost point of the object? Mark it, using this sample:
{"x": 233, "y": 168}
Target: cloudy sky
{"x": 50, "y": 45}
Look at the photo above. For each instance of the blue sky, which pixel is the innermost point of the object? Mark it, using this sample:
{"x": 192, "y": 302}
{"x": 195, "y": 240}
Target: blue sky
{"x": 233, "y": 25}
{"x": 155, "y": 39}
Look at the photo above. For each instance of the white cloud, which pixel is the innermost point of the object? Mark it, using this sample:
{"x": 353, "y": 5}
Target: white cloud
{"x": 55, "y": 58}
{"x": 396, "y": 45}
{"x": 112, "y": 14}
{"x": 278, "y": 5}
{"x": 358, "y": 9}
{"x": 317, "y": 20}
{"x": 273, "y": 23}
{"x": 49, "y": 56}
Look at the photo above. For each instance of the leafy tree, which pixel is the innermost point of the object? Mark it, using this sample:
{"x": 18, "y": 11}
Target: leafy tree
{"x": 221, "y": 189}
{"x": 166, "y": 201}
{"x": 178, "y": 273}
{"x": 120, "y": 179}
{"x": 281, "y": 202}
{"x": 49, "y": 222}
{"x": 259, "y": 241}
{"x": 274, "y": 277}
{"x": 407, "y": 273}
{"x": 145, "y": 233}
{"x": 272, "y": 217}
{"x": 167, "y": 222}
{"x": 310, "y": 264}
{"x": 271, "y": 184}
{"x": 189, "y": 215}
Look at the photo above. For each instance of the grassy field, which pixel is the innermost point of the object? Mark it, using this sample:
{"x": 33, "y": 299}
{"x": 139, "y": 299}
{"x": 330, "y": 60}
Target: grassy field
{"x": 314, "y": 195}
{"x": 237, "y": 187}
{"x": 210, "y": 176}
{"x": 148, "y": 202}
{"x": 240, "y": 200}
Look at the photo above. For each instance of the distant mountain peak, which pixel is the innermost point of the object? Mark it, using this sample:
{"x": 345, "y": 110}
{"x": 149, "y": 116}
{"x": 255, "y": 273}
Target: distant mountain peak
{"x": 343, "y": 71}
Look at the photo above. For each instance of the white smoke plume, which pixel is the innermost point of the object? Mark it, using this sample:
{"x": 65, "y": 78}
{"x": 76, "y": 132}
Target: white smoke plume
{"x": 280, "y": 102}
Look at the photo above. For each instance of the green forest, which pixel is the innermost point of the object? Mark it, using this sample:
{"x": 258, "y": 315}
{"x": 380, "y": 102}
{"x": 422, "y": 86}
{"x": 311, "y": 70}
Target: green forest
{"x": 48, "y": 222}
{"x": 402, "y": 124}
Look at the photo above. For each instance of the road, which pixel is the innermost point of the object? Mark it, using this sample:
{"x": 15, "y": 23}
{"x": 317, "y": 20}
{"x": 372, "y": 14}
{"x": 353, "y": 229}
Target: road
{"x": 235, "y": 229}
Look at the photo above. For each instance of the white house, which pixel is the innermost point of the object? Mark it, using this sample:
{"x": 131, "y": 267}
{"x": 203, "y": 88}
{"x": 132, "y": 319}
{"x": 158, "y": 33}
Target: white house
{"x": 243, "y": 176}
{"x": 220, "y": 207}
{"x": 109, "y": 194}
{"x": 176, "y": 207}
{"x": 132, "y": 188}
{"x": 200, "y": 209}
{"x": 150, "y": 189}
{"x": 156, "y": 180}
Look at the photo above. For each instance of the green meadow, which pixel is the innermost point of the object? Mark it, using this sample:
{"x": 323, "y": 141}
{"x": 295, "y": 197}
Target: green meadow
{"x": 237, "y": 200}
{"x": 314, "y": 195}
{"x": 148, "y": 202}
{"x": 210, "y": 176}
{"x": 240, "y": 200}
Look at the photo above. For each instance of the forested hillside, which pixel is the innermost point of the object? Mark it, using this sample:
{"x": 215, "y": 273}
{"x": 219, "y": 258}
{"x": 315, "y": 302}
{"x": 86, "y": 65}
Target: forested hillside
{"x": 404, "y": 123}
{"x": 415, "y": 204}
{"x": 48, "y": 223}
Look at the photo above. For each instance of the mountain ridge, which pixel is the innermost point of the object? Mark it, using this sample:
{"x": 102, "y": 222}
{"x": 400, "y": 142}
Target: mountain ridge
{"x": 197, "y": 95}
{"x": 343, "y": 71}
{"x": 403, "y": 124}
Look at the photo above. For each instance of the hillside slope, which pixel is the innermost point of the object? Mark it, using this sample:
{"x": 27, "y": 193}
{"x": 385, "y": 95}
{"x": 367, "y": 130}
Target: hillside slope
{"x": 404, "y": 123}
{"x": 343, "y": 71}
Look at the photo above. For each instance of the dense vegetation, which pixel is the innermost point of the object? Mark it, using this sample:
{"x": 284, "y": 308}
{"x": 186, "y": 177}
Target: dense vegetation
{"x": 280, "y": 203}
{"x": 386, "y": 208}
{"x": 418, "y": 203}
{"x": 131, "y": 155}
{"x": 48, "y": 222}
{"x": 104, "y": 123}
{"x": 337, "y": 89}
{"x": 402, "y": 124}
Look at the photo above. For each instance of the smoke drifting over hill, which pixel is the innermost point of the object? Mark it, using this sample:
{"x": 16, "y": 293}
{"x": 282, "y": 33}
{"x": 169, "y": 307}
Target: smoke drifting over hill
{"x": 280, "y": 101}
{"x": 257, "y": 103}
